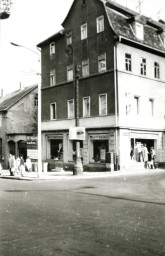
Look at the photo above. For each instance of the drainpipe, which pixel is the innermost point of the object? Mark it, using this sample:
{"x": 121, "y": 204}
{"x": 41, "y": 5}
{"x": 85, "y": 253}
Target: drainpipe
{"x": 116, "y": 103}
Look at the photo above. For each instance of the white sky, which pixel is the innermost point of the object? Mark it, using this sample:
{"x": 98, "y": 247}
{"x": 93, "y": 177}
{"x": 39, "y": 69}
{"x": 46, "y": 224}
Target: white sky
{"x": 32, "y": 21}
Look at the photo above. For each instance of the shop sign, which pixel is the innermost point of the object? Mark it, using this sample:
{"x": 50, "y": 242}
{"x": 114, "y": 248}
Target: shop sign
{"x": 99, "y": 137}
{"x": 32, "y": 153}
{"x": 32, "y": 144}
{"x": 77, "y": 133}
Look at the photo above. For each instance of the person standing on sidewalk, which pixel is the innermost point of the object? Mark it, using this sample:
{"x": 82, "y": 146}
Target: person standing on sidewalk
{"x": 9, "y": 163}
{"x": 22, "y": 166}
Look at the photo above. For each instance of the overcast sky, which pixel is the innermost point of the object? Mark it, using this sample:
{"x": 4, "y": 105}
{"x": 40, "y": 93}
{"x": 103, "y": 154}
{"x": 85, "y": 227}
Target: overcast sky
{"x": 32, "y": 21}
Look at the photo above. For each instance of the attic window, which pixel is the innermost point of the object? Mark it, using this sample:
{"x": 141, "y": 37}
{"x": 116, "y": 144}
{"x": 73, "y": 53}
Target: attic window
{"x": 139, "y": 30}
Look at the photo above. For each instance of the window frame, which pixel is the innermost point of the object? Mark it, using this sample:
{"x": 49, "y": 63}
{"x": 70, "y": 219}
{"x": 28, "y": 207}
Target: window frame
{"x": 156, "y": 70}
{"x": 100, "y": 24}
{"x": 143, "y": 66}
{"x": 52, "y": 48}
{"x": 102, "y": 57}
{"x": 100, "y": 106}
{"x": 84, "y": 31}
{"x": 69, "y": 38}
{"x": 68, "y": 107}
{"x": 128, "y": 62}
{"x": 86, "y": 115}
{"x": 137, "y": 105}
{"x": 69, "y": 69}
{"x": 85, "y": 63}
{"x": 151, "y": 101}
{"x": 53, "y": 111}
{"x": 52, "y": 77}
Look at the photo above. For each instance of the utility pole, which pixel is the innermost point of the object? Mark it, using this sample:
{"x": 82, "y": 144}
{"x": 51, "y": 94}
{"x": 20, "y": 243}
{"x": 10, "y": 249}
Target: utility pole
{"x": 78, "y": 168}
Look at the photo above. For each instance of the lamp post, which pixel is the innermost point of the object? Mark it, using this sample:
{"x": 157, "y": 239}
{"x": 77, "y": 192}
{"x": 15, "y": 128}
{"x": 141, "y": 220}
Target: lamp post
{"x": 39, "y": 108}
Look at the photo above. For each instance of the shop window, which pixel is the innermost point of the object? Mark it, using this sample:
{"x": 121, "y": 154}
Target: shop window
{"x": 98, "y": 151}
{"x": 128, "y": 62}
{"x": 100, "y": 24}
{"x": 56, "y": 149}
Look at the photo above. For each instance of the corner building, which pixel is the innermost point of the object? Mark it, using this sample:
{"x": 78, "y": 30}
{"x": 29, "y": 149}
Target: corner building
{"x": 121, "y": 85}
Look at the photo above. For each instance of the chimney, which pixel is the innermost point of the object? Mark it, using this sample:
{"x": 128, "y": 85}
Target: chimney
{"x": 20, "y": 86}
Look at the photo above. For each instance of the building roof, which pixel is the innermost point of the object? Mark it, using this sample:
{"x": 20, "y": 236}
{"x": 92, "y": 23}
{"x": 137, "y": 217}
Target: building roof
{"x": 12, "y": 98}
{"x": 121, "y": 20}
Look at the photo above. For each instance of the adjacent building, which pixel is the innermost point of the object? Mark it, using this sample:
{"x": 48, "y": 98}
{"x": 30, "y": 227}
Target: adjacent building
{"x": 18, "y": 122}
{"x": 121, "y": 85}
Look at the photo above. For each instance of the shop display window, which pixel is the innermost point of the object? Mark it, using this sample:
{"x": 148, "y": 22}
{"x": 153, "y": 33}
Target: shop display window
{"x": 56, "y": 149}
{"x": 99, "y": 149}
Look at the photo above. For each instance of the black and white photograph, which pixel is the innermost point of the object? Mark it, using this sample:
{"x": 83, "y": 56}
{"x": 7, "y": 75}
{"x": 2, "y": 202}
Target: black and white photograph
{"x": 82, "y": 128}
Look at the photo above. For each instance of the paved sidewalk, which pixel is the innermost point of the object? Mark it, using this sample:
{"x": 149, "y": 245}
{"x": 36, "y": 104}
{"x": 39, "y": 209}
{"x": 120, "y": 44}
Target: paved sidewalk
{"x": 56, "y": 175}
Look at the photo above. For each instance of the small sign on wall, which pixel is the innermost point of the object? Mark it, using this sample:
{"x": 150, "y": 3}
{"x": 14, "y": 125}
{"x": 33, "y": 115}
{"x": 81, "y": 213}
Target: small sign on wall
{"x": 77, "y": 133}
{"x": 32, "y": 153}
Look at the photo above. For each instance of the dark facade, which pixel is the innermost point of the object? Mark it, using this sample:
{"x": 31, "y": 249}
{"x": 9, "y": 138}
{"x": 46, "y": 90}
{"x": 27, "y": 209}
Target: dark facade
{"x": 93, "y": 42}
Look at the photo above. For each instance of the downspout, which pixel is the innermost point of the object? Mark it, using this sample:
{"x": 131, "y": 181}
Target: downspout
{"x": 116, "y": 103}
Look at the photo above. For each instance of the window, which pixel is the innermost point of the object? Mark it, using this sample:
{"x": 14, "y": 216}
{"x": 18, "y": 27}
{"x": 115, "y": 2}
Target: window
{"x": 136, "y": 105}
{"x": 151, "y": 102}
{"x": 70, "y": 109}
{"x": 156, "y": 70}
{"x": 70, "y": 72}
{"x": 143, "y": 67}
{"x": 36, "y": 100}
{"x": 139, "y": 31}
{"x": 102, "y": 63}
{"x": 128, "y": 62}
{"x": 53, "y": 111}
{"x": 69, "y": 38}
{"x": 102, "y": 104}
{"x": 84, "y": 31}
{"x": 85, "y": 68}
{"x": 100, "y": 24}
{"x": 1, "y": 157}
{"x": 52, "y": 48}
{"x": 52, "y": 78}
{"x": 86, "y": 106}
{"x": 56, "y": 149}
{"x": 99, "y": 146}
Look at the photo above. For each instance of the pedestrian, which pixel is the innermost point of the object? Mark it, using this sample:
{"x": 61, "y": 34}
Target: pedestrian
{"x": 13, "y": 165}
{"x": 28, "y": 164}
{"x": 22, "y": 166}
{"x": 136, "y": 153}
{"x": 145, "y": 156}
{"x": 18, "y": 160}
{"x": 153, "y": 156}
{"x": 131, "y": 153}
{"x": 9, "y": 163}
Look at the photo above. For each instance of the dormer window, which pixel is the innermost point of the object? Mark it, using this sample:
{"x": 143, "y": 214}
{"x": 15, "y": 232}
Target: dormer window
{"x": 139, "y": 30}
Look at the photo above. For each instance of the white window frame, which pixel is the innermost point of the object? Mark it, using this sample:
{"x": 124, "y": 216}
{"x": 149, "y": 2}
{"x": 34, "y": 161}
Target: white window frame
{"x": 102, "y": 65}
{"x": 156, "y": 70}
{"x": 100, "y": 24}
{"x": 69, "y": 38}
{"x": 52, "y": 48}
{"x": 100, "y": 105}
{"x": 84, "y": 31}
{"x": 69, "y": 112}
{"x": 143, "y": 67}
{"x": 151, "y": 102}
{"x": 137, "y": 105}
{"x": 70, "y": 73}
{"x": 85, "y": 68}
{"x": 86, "y": 112}
{"x": 52, "y": 77}
{"x": 128, "y": 62}
{"x": 139, "y": 30}
{"x": 53, "y": 114}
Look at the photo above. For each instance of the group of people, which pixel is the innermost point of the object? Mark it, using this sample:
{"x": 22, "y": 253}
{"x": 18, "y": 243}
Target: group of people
{"x": 18, "y": 165}
{"x": 140, "y": 153}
